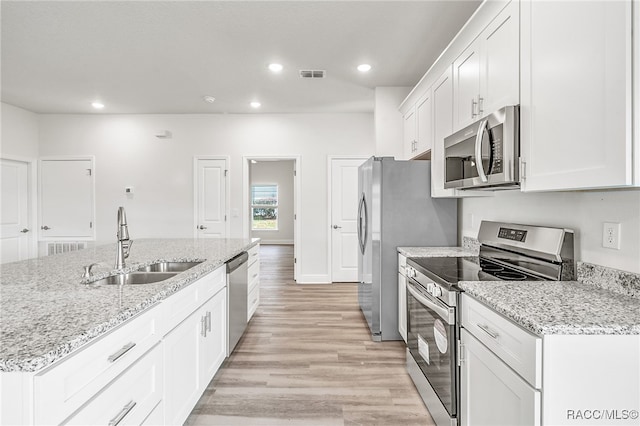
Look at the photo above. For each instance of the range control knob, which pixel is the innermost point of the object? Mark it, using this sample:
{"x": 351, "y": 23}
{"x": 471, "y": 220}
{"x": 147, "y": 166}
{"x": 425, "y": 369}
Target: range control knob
{"x": 436, "y": 291}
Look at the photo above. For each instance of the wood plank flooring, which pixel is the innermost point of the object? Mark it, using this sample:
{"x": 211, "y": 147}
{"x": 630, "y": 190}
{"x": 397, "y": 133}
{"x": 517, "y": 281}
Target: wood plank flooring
{"x": 307, "y": 359}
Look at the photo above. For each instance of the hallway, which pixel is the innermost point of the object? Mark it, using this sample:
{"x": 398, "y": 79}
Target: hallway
{"x": 307, "y": 359}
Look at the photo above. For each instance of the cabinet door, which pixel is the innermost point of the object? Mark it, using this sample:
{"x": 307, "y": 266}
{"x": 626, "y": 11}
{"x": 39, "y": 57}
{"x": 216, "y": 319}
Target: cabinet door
{"x": 576, "y": 94}
{"x": 66, "y": 198}
{"x": 500, "y": 66}
{"x": 442, "y": 92}
{"x": 490, "y": 392}
{"x": 182, "y": 368}
{"x": 402, "y": 306}
{"x": 409, "y": 133}
{"x": 213, "y": 348}
{"x": 424, "y": 127}
{"x": 466, "y": 86}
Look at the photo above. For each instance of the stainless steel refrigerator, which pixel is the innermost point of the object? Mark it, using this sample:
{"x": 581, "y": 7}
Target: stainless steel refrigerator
{"x": 395, "y": 210}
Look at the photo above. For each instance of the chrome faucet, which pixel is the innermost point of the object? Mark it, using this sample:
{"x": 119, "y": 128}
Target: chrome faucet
{"x": 124, "y": 243}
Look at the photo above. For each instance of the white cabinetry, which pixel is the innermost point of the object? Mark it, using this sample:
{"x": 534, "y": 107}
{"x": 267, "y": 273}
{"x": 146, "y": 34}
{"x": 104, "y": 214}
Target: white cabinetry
{"x": 576, "y": 111}
{"x": 487, "y": 73}
{"x": 442, "y": 127}
{"x": 402, "y": 296}
{"x": 253, "y": 278}
{"x": 409, "y": 133}
{"x": 418, "y": 128}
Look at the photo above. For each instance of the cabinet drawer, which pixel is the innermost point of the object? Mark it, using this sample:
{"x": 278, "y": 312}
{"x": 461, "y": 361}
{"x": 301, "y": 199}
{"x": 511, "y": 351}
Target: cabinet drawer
{"x": 402, "y": 264}
{"x": 518, "y": 348}
{"x": 253, "y": 274}
{"x": 253, "y": 300}
{"x": 63, "y": 388}
{"x": 254, "y": 254}
{"x": 130, "y": 399}
{"x": 184, "y": 302}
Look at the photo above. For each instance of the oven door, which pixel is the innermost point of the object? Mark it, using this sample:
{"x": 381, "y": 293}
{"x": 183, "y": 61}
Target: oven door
{"x": 431, "y": 340}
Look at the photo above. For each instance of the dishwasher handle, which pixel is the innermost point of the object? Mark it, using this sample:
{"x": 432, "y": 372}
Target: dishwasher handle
{"x": 237, "y": 262}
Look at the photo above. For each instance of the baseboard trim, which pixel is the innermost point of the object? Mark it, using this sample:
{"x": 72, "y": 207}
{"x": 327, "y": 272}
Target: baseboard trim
{"x": 313, "y": 279}
{"x": 276, "y": 242}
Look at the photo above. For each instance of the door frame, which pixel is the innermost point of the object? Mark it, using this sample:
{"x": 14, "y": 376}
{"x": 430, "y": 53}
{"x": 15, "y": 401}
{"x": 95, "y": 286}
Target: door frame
{"x": 227, "y": 190}
{"x": 297, "y": 191}
{"x": 32, "y": 197}
{"x": 330, "y": 159}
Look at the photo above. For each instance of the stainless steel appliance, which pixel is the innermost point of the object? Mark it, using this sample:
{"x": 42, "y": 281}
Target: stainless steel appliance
{"x": 485, "y": 154}
{"x": 508, "y": 252}
{"x": 237, "y": 285}
{"x": 395, "y": 209}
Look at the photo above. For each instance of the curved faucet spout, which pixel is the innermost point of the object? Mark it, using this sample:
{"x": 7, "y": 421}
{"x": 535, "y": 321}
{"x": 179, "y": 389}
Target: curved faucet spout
{"x": 124, "y": 243}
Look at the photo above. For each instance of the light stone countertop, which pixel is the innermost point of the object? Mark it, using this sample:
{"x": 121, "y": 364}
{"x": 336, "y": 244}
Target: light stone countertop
{"x": 46, "y": 312}
{"x": 559, "y": 307}
{"x": 436, "y": 252}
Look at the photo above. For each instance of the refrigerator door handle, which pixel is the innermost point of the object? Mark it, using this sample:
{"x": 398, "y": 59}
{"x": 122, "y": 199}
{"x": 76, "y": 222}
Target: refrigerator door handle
{"x": 362, "y": 238}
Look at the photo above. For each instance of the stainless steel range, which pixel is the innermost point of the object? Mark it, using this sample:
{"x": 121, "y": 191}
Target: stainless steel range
{"x": 507, "y": 252}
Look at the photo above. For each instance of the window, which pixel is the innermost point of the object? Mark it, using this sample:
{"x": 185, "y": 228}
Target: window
{"x": 264, "y": 207}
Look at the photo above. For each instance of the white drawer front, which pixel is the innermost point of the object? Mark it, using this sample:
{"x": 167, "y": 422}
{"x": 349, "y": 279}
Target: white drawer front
{"x": 64, "y": 387}
{"x": 253, "y": 301}
{"x": 254, "y": 254}
{"x": 183, "y": 303}
{"x": 130, "y": 399}
{"x": 402, "y": 264}
{"x": 518, "y": 348}
{"x": 253, "y": 276}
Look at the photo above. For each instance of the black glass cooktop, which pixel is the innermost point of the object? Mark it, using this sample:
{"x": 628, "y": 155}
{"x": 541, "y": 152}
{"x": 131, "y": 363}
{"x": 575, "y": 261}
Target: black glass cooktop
{"x": 451, "y": 270}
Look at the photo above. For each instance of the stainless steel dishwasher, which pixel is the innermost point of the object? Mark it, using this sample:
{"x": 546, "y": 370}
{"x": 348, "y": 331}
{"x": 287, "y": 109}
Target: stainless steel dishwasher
{"x": 237, "y": 285}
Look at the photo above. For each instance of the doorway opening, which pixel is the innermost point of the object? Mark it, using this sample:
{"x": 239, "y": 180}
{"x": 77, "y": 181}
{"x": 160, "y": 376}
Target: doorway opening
{"x": 271, "y": 202}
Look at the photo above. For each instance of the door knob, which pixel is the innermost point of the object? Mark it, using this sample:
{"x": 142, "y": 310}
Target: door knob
{"x": 46, "y": 228}
{"x": 24, "y": 231}
{"x": 337, "y": 227}
{"x": 202, "y": 227}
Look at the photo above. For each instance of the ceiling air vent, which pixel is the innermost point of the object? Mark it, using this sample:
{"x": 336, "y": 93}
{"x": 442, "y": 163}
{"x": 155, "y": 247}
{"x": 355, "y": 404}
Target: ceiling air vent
{"x": 312, "y": 73}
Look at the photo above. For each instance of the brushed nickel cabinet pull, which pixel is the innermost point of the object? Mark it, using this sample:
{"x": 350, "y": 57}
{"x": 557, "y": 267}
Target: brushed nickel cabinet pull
{"x": 126, "y": 348}
{"x": 121, "y": 415}
{"x": 208, "y": 320}
{"x": 203, "y": 326}
{"x": 487, "y": 330}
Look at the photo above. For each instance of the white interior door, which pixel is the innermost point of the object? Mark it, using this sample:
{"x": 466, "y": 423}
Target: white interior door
{"x": 14, "y": 232}
{"x": 66, "y": 198}
{"x": 344, "y": 212}
{"x": 211, "y": 198}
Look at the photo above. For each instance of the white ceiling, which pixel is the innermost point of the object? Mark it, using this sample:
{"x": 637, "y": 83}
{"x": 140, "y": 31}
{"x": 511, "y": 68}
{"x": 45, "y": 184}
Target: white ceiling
{"x": 163, "y": 57}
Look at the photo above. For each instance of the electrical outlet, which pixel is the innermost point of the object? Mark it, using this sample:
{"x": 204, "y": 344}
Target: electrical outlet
{"x": 611, "y": 235}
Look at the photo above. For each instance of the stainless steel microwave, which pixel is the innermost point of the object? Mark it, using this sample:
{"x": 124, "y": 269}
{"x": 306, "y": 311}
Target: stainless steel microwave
{"x": 485, "y": 154}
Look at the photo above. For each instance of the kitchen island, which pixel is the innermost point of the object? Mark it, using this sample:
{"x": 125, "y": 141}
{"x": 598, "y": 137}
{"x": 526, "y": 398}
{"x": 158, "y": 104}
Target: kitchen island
{"x": 53, "y": 320}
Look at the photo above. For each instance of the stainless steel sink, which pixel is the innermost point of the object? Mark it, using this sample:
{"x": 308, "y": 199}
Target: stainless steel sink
{"x": 169, "y": 266}
{"x": 135, "y": 278}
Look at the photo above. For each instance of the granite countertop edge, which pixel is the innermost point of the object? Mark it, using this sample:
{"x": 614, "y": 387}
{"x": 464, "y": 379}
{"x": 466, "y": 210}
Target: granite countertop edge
{"x": 580, "y": 320}
{"x": 173, "y": 285}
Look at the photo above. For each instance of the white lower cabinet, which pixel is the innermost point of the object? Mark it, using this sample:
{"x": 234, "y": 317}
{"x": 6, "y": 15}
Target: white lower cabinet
{"x": 131, "y": 399}
{"x": 253, "y": 280}
{"x": 402, "y": 297}
{"x": 491, "y": 393}
{"x": 194, "y": 351}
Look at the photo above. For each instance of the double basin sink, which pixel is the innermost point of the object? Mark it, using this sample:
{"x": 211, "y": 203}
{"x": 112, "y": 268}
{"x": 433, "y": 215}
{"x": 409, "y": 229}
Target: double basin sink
{"x": 153, "y": 273}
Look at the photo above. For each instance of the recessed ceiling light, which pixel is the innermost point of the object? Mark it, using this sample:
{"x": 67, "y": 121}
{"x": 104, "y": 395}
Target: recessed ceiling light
{"x": 364, "y": 67}
{"x": 255, "y": 104}
{"x": 276, "y": 67}
{"x": 209, "y": 99}
{"x": 97, "y": 105}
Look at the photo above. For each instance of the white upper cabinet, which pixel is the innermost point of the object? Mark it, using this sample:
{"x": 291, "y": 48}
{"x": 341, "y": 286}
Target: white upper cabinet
{"x": 442, "y": 127}
{"x": 424, "y": 127}
{"x": 409, "y": 133}
{"x": 487, "y": 73}
{"x": 576, "y": 111}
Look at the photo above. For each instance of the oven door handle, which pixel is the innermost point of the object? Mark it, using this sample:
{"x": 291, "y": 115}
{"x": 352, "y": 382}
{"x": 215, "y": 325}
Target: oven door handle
{"x": 446, "y": 313}
{"x": 482, "y": 129}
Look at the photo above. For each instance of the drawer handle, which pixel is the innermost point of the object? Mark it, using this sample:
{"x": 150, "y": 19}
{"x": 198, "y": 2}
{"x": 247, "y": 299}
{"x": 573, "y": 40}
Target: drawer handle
{"x": 208, "y": 320}
{"x": 126, "y": 348}
{"x": 487, "y": 330}
{"x": 254, "y": 275}
{"x": 203, "y": 326}
{"x": 121, "y": 415}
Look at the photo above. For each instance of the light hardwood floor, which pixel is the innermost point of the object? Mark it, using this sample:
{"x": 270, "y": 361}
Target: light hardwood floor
{"x": 307, "y": 359}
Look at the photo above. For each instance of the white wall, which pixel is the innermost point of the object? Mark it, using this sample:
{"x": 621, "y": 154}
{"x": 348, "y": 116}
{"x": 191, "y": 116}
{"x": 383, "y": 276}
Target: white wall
{"x": 19, "y": 132}
{"x": 388, "y": 120}
{"x": 127, "y": 153}
{"x": 279, "y": 173}
{"x": 584, "y": 212}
